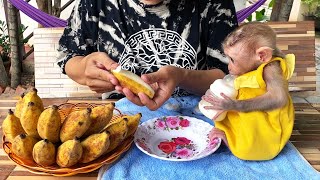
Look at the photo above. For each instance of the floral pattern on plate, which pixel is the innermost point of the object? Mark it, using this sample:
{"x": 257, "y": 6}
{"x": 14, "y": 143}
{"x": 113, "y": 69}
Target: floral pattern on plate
{"x": 176, "y": 138}
{"x": 179, "y": 147}
{"x": 171, "y": 123}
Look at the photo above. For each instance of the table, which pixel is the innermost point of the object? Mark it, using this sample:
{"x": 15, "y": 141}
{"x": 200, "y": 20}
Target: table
{"x": 306, "y": 137}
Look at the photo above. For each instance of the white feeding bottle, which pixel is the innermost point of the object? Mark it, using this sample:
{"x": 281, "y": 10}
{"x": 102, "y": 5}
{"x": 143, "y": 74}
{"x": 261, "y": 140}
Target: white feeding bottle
{"x": 226, "y": 86}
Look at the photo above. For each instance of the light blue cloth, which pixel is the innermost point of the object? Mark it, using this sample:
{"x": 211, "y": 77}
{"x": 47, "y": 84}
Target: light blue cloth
{"x": 289, "y": 164}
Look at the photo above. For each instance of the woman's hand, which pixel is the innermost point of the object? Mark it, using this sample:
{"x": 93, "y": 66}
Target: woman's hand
{"x": 164, "y": 81}
{"x": 93, "y": 71}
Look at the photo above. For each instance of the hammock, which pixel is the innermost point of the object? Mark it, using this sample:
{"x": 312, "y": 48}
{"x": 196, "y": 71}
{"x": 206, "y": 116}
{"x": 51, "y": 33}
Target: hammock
{"x": 246, "y": 12}
{"x": 51, "y": 21}
{"x": 39, "y": 16}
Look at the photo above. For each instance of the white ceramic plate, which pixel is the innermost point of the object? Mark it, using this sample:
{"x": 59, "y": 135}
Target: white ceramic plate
{"x": 176, "y": 138}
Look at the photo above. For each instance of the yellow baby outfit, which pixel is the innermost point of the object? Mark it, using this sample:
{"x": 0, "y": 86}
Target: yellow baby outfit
{"x": 259, "y": 135}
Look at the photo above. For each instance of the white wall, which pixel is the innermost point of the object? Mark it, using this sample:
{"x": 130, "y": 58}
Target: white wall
{"x": 49, "y": 80}
{"x": 298, "y": 8}
{"x": 30, "y": 22}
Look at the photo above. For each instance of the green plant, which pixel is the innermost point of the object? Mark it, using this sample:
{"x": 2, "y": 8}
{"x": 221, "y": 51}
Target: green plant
{"x": 5, "y": 48}
{"x": 4, "y": 42}
{"x": 313, "y": 7}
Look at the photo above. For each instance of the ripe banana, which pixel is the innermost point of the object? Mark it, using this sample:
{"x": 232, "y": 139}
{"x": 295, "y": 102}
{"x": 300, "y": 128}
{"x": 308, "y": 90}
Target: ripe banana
{"x": 69, "y": 153}
{"x": 133, "y": 123}
{"x": 75, "y": 125}
{"x": 22, "y": 146}
{"x": 132, "y": 81}
{"x": 100, "y": 117}
{"x": 94, "y": 146}
{"x": 29, "y": 119}
{"x": 117, "y": 131}
{"x": 11, "y": 126}
{"x": 44, "y": 153}
{"x": 49, "y": 124}
{"x": 32, "y": 96}
{"x": 19, "y": 106}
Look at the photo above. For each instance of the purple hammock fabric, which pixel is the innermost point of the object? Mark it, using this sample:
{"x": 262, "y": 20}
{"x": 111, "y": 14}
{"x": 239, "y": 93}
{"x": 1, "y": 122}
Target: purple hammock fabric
{"x": 41, "y": 17}
{"x": 244, "y": 13}
{"x": 51, "y": 21}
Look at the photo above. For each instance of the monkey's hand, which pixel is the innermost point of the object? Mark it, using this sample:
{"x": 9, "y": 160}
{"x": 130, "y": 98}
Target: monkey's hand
{"x": 225, "y": 104}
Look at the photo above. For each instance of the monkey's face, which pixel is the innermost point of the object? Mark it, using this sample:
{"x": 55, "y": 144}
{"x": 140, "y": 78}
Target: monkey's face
{"x": 240, "y": 60}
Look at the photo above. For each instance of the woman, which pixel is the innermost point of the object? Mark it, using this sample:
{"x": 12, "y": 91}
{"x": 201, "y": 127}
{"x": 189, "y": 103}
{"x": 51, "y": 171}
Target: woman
{"x": 174, "y": 44}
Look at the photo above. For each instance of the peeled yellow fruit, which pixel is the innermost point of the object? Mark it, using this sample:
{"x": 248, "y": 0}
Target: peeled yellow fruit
{"x": 100, "y": 117}
{"x": 11, "y": 126}
{"x": 117, "y": 133}
{"x": 49, "y": 124}
{"x": 94, "y": 146}
{"x": 69, "y": 153}
{"x": 22, "y": 146}
{"x": 75, "y": 125}
{"x": 132, "y": 81}
{"x": 44, "y": 153}
{"x": 19, "y": 106}
{"x": 29, "y": 119}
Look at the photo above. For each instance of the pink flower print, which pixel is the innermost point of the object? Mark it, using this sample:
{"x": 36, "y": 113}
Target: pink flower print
{"x": 160, "y": 124}
{"x": 184, "y": 123}
{"x": 167, "y": 147}
{"x": 182, "y": 141}
{"x": 183, "y": 153}
{"x": 173, "y": 122}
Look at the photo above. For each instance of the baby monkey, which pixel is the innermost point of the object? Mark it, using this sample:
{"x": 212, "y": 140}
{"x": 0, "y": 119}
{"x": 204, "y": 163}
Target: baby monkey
{"x": 259, "y": 121}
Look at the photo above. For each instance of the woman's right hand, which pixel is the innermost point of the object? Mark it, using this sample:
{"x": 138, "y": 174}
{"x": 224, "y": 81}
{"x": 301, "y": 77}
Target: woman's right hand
{"x": 93, "y": 71}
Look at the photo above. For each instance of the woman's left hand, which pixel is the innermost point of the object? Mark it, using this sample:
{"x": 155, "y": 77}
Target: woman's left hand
{"x": 164, "y": 81}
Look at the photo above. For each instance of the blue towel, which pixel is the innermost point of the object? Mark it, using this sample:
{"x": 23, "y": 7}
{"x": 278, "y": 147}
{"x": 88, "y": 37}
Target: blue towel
{"x": 289, "y": 164}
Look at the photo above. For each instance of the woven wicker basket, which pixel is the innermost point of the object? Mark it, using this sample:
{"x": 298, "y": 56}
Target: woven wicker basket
{"x": 55, "y": 170}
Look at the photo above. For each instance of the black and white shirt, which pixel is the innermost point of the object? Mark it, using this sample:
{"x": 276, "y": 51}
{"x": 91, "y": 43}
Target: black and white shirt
{"x": 143, "y": 38}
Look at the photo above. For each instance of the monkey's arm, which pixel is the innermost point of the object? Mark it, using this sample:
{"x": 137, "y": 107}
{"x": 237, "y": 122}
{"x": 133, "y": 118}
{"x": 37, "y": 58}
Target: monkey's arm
{"x": 275, "y": 97}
